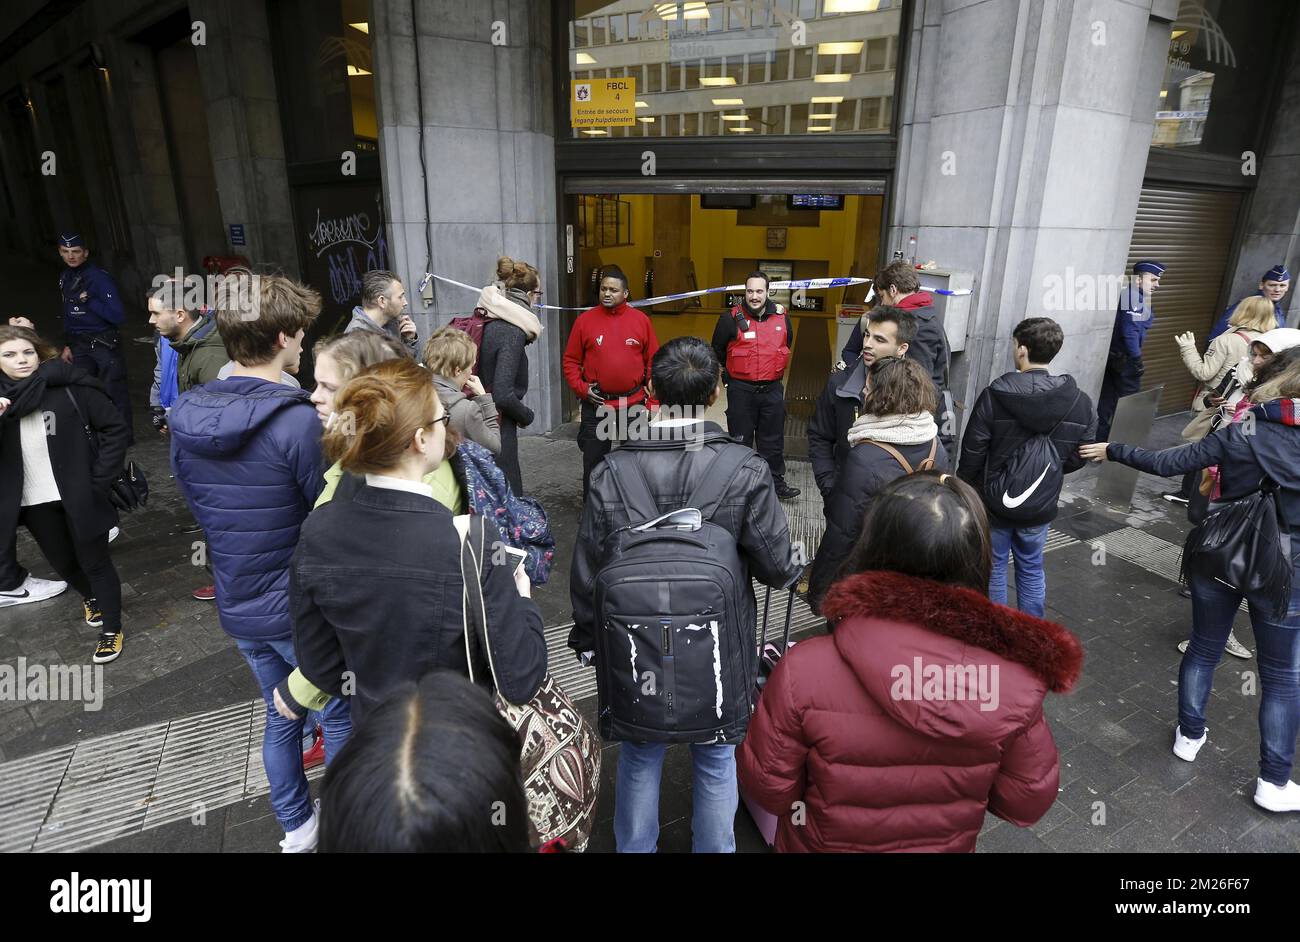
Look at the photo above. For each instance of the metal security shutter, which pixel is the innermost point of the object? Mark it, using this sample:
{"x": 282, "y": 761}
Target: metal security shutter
{"x": 1190, "y": 232}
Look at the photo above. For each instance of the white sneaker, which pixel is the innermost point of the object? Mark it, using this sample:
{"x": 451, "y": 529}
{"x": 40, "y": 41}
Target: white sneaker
{"x": 32, "y": 590}
{"x": 112, "y": 534}
{"x": 1273, "y": 798}
{"x": 1236, "y": 648}
{"x": 1186, "y": 748}
{"x": 301, "y": 840}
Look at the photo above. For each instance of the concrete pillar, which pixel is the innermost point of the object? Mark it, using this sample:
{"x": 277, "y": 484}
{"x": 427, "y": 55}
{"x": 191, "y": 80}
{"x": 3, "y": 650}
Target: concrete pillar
{"x": 1023, "y": 138}
{"x": 488, "y": 184}
{"x": 1272, "y": 230}
{"x": 244, "y": 129}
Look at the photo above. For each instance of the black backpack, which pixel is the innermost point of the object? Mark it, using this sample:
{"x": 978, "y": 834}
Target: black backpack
{"x": 675, "y": 653}
{"x": 1028, "y": 484}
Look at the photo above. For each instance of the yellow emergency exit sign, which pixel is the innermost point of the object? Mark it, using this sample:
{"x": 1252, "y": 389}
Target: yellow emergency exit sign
{"x": 602, "y": 103}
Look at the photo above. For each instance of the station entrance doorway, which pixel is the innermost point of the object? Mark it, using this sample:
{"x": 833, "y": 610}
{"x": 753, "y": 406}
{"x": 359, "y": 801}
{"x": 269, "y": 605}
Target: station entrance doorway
{"x": 684, "y": 236}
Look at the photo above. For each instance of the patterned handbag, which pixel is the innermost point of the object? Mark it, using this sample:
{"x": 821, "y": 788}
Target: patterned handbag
{"x": 560, "y": 755}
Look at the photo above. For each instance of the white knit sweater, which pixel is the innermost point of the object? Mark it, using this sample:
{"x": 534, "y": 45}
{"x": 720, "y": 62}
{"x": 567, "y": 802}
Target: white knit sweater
{"x": 39, "y": 486}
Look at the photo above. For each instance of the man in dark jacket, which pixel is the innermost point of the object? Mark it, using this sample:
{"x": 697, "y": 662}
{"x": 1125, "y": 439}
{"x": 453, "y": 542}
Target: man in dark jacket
{"x": 246, "y": 456}
{"x": 92, "y": 314}
{"x": 1013, "y": 409}
{"x": 1133, "y": 319}
{"x": 886, "y": 332}
{"x": 672, "y": 457}
{"x": 752, "y": 342}
{"x": 1273, "y": 286}
{"x": 897, "y": 285}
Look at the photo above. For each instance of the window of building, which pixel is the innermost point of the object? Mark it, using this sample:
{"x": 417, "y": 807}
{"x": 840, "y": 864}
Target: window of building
{"x": 699, "y": 57}
{"x": 1217, "y": 74}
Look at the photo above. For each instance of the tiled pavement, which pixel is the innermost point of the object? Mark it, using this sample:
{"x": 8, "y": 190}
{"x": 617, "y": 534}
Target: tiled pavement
{"x": 1121, "y": 789}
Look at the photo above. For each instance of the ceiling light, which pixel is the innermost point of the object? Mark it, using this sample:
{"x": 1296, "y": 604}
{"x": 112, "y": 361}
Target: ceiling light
{"x": 1163, "y": 92}
{"x": 717, "y": 81}
{"x": 728, "y": 102}
{"x": 735, "y": 117}
{"x": 364, "y": 27}
{"x": 585, "y": 58}
{"x": 596, "y": 132}
{"x": 832, "y": 77}
{"x": 642, "y": 104}
{"x": 353, "y": 70}
{"x": 697, "y": 10}
{"x": 851, "y": 6}
{"x": 1178, "y": 32}
{"x": 827, "y": 99}
{"x": 646, "y": 120}
{"x": 839, "y": 49}
{"x": 737, "y": 129}
{"x": 820, "y": 127}
{"x": 823, "y": 114}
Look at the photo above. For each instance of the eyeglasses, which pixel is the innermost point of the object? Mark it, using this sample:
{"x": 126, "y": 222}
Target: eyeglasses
{"x": 443, "y": 419}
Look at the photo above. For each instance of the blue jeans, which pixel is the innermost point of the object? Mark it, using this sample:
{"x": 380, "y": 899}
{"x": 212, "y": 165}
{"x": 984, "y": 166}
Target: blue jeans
{"x": 1277, "y": 642}
{"x": 272, "y": 662}
{"x": 636, "y": 800}
{"x": 1027, "y": 544}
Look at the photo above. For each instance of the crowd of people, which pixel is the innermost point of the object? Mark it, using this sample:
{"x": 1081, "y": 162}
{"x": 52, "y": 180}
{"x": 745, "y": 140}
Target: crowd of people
{"x": 373, "y": 554}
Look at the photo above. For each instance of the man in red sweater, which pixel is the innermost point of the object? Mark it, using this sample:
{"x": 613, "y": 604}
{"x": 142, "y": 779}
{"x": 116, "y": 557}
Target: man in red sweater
{"x": 606, "y": 363}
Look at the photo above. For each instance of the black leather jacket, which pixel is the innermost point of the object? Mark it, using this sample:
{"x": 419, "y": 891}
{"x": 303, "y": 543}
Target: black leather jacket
{"x": 673, "y": 460}
{"x": 376, "y": 590}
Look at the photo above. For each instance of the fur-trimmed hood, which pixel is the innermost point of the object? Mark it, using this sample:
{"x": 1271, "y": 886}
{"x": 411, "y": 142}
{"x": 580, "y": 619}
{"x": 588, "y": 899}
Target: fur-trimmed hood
{"x": 885, "y": 621}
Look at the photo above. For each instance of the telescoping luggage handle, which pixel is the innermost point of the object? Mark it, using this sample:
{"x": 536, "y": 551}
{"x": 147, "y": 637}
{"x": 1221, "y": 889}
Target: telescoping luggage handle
{"x": 785, "y": 639}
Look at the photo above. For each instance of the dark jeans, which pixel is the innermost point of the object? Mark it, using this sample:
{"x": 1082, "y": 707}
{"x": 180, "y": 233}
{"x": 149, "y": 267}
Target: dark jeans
{"x": 1277, "y": 641}
{"x": 599, "y": 429}
{"x": 1123, "y": 377}
{"x": 756, "y": 417}
{"x": 102, "y": 356}
{"x": 85, "y": 565}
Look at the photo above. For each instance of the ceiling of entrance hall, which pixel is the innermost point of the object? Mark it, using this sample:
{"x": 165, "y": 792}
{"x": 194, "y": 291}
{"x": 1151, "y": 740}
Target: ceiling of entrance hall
{"x": 732, "y": 68}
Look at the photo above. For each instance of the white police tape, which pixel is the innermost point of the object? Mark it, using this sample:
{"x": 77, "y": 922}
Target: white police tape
{"x": 806, "y": 284}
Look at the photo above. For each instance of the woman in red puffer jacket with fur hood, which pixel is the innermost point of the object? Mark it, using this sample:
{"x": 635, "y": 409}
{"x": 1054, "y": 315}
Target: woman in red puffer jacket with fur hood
{"x": 924, "y": 708}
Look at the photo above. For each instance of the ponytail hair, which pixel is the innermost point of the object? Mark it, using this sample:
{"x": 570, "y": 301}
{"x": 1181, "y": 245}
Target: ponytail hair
{"x": 518, "y": 275}
{"x": 377, "y": 413}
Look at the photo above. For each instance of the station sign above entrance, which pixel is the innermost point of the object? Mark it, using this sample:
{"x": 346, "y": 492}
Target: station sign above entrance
{"x": 603, "y": 103}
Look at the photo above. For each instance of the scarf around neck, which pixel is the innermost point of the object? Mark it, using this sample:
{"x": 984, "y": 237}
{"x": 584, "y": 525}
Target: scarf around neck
{"x": 498, "y": 305}
{"x": 25, "y": 395}
{"x": 1281, "y": 411}
{"x": 916, "y": 429}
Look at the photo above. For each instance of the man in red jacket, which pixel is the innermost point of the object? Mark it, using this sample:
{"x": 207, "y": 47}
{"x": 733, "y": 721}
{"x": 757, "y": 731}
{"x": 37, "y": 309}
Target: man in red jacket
{"x": 752, "y": 342}
{"x": 606, "y": 362}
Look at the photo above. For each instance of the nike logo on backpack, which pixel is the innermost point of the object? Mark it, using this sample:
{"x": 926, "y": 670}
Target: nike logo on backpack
{"x": 1011, "y": 503}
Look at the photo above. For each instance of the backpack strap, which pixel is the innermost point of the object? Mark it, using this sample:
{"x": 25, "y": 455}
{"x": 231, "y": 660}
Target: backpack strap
{"x": 928, "y": 463}
{"x": 717, "y": 477}
{"x": 633, "y": 489}
{"x": 898, "y": 456}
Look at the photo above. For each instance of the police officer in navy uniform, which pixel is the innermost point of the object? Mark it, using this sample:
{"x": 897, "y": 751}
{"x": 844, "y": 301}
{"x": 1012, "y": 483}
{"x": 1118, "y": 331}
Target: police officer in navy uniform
{"x": 92, "y": 311}
{"x": 1133, "y": 318}
{"x": 752, "y": 341}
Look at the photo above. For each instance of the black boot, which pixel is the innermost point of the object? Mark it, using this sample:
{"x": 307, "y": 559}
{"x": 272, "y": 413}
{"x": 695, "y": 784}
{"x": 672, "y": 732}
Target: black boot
{"x": 785, "y": 491}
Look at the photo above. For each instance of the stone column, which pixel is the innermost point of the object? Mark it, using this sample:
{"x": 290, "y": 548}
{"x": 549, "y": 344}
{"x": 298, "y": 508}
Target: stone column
{"x": 487, "y": 187}
{"x": 244, "y": 128}
{"x": 1024, "y": 132}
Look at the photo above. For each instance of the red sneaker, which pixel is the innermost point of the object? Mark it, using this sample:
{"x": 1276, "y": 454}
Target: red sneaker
{"x": 207, "y": 593}
{"x": 316, "y": 754}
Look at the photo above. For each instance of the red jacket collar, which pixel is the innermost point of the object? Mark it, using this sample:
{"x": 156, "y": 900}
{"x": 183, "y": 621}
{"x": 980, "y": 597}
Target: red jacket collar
{"x": 1044, "y": 647}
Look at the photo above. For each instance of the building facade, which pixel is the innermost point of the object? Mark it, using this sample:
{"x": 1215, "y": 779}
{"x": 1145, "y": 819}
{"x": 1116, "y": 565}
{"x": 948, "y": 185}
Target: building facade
{"x": 1033, "y": 149}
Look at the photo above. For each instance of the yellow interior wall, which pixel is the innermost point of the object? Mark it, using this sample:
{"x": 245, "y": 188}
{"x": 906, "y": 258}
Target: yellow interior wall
{"x": 715, "y": 236}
